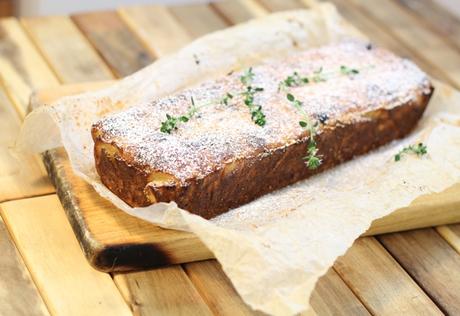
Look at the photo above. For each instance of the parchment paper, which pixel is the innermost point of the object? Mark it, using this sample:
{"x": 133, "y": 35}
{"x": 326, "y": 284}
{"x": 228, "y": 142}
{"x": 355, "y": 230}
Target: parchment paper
{"x": 275, "y": 248}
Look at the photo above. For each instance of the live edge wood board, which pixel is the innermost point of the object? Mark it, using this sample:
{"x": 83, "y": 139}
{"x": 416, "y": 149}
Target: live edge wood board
{"x": 115, "y": 241}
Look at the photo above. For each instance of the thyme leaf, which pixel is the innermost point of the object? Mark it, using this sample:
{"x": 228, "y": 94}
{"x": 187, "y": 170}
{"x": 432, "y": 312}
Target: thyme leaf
{"x": 344, "y": 70}
{"x": 257, "y": 115}
{"x": 419, "y": 149}
{"x": 312, "y": 159}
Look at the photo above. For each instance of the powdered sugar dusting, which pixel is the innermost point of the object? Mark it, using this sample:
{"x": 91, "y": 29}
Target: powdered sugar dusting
{"x": 222, "y": 133}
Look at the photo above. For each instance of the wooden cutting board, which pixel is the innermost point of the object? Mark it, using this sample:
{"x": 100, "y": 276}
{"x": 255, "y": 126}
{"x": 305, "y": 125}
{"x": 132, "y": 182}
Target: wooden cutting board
{"x": 115, "y": 241}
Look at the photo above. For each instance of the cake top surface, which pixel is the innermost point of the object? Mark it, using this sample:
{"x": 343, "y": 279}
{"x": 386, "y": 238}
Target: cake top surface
{"x": 219, "y": 121}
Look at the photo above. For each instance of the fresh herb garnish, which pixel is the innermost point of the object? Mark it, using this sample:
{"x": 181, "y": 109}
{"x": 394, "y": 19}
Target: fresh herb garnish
{"x": 319, "y": 75}
{"x": 312, "y": 159}
{"x": 172, "y": 122}
{"x": 257, "y": 114}
{"x": 348, "y": 70}
{"x": 226, "y": 98}
{"x": 294, "y": 80}
{"x": 169, "y": 125}
{"x": 419, "y": 149}
{"x": 247, "y": 77}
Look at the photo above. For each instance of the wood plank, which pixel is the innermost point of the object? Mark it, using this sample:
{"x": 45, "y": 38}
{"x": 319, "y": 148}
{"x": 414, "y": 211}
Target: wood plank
{"x": 333, "y": 297}
{"x": 6, "y": 8}
{"x": 431, "y": 262}
{"x": 18, "y": 294}
{"x": 407, "y": 29}
{"x": 67, "y": 283}
{"x": 380, "y": 36}
{"x": 216, "y": 289}
{"x": 116, "y": 43}
{"x": 67, "y": 51}
{"x": 451, "y": 233}
{"x": 380, "y": 283}
{"x": 19, "y": 178}
{"x": 165, "y": 291}
{"x": 281, "y": 5}
{"x": 198, "y": 19}
{"x": 162, "y": 35}
{"x": 254, "y": 7}
{"x": 232, "y": 11}
{"x": 22, "y": 69}
{"x": 330, "y": 297}
{"x": 435, "y": 17}
{"x": 450, "y": 5}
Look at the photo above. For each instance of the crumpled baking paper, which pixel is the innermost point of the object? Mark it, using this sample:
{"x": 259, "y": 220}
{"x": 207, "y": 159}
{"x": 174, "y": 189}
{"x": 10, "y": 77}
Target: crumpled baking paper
{"x": 275, "y": 248}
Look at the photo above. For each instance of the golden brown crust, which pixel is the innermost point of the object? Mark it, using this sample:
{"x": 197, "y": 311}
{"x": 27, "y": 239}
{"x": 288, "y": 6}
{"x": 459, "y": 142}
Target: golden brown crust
{"x": 244, "y": 180}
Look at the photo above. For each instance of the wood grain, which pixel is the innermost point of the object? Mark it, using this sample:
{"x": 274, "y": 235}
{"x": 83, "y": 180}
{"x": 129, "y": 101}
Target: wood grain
{"x": 20, "y": 177}
{"x": 450, "y": 5}
{"x": 232, "y": 11}
{"x": 119, "y": 47}
{"x": 380, "y": 283}
{"x": 216, "y": 289}
{"x": 22, "y": 69}
{"x": 380, "y": 36}
{"x": 281, "y": 5}
{"x": 451, "y": 233}
{"x": 333, "y": 297}
{"x": 161, "y": 34}
{"x": 254, "y": 7}
{"x": 431, "y": 262}
{"x": 18, "y": 294}
{"x": 6, "y": 8}
{"x": 435, "y": 17}
{"x": 198, "y": 19}
{"x": 67, "y": 283}
{"x": 330, "y": 297}
{"x": 67, "y": 51}
{"x": 165, "y": 291}
{"x": 405, "y": 27}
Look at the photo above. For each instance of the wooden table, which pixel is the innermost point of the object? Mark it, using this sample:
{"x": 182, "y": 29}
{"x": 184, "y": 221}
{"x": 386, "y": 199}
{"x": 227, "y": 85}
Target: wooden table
{"x": 42, "y": 268}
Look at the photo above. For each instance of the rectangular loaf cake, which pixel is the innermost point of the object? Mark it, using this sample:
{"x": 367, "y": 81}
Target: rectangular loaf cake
{"x": 225, "y": 142}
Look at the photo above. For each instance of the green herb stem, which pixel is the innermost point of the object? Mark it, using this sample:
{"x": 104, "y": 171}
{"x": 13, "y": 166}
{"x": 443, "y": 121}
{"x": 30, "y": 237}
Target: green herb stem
{"x": 312, "y": 159}
{"x": 419, "y": 149}
{"x": 297, "y": 80}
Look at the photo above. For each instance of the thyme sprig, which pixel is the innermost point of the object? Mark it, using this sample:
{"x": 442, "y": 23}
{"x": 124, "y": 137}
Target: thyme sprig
{"x": 319, "y": 75}
{"x": 226, "y": 98}
{"x": 345, "y": 70}
{"x": 172, "y": 122}
{"x": 257, "y": 115}
{"x": 297, "y": 80}
{"x": 312, "y": 159}
{"x": 247, "y": 77}
{"x": 294, "y": 80}
{"x": 419, "y": 149}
